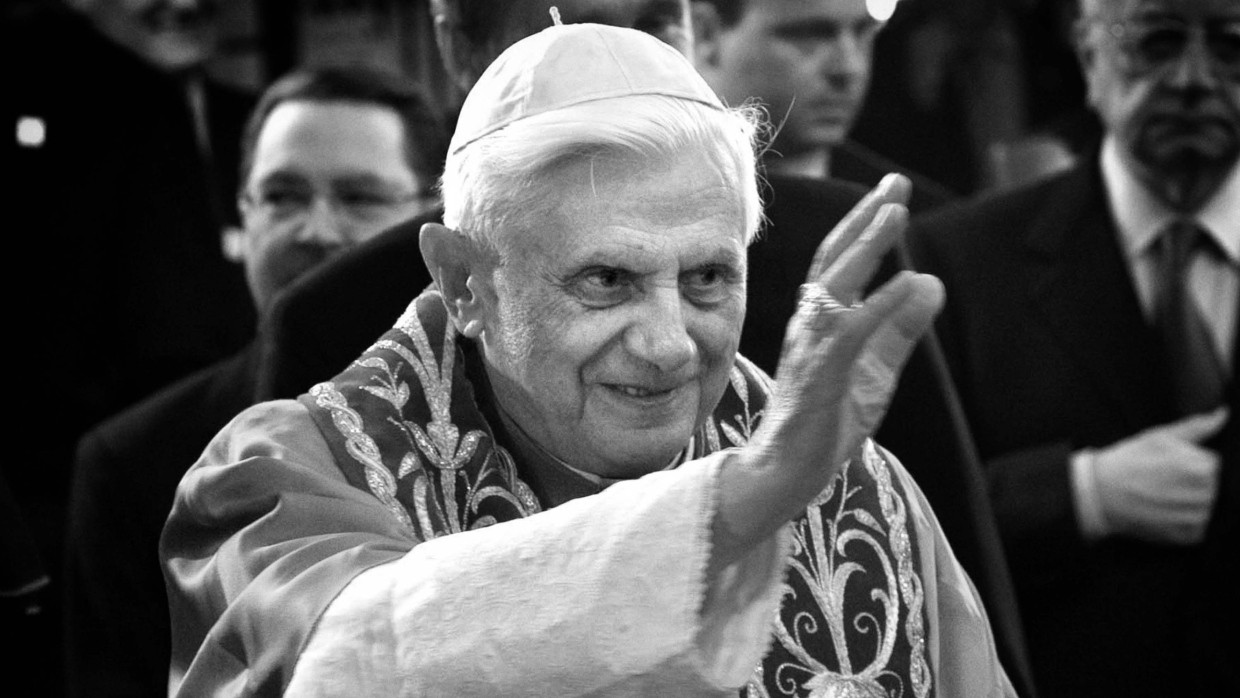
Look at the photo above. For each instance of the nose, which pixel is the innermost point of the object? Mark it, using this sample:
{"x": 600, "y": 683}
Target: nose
{"x": 844, "y": 59}
{"x": 322, "y": 225}
{"x": 659, "y": 335}
{"x": 1194, "y": 66}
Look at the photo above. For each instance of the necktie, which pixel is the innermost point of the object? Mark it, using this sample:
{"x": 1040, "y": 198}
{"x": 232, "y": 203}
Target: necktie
{"x": 1197, "y": 374}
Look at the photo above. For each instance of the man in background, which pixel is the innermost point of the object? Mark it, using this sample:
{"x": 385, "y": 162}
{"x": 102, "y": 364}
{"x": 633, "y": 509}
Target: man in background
{"x": 330, "y": 158}
{"x": 809, "y": 63}
{"x": 118, "y": 157}
{"x": 1091, "y": 328}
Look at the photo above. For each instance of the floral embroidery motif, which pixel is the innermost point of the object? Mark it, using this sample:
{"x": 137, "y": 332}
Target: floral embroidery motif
{"x": 852, "y": 584}
{"x": 439, "y": 467}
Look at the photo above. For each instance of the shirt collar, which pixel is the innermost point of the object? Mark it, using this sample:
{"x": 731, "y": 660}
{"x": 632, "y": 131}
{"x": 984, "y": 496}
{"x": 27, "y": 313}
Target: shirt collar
{"x": 1141, "y": 217}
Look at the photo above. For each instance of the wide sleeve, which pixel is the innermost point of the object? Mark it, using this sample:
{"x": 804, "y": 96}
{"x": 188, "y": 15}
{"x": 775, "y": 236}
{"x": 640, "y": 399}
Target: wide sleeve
{"x": 605, "y": 595}
{"x": 601, "y": 596}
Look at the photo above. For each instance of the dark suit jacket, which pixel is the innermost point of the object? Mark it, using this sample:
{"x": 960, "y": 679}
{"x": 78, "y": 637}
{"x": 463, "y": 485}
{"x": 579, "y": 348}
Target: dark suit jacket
{"x": 333, "y": 313}
{"x": 1050, "y": 350}
{"x": 126, "y": 473}
{"x": 116, "y": 219}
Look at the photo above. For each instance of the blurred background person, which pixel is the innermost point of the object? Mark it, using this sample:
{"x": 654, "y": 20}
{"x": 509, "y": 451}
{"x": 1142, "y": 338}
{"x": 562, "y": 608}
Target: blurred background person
{"x": 809, "y": 63}
{"x": 1091, "y": 328}
{"x": 119, "y": 156}
{"x": 330, "y": 158}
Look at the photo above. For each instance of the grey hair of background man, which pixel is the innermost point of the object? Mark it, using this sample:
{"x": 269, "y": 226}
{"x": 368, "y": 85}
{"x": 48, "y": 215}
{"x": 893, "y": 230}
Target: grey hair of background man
{"x": 425, "y": 138}
{"x": 494, "y": 186}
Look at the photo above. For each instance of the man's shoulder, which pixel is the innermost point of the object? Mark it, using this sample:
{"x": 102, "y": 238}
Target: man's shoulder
{"x": 192, "y": 409}
{"x": 800, "y": 211}
{"x": 797, "y": 192}
{"x": 1013, "y": 205}
{"x": 329, "y": 316}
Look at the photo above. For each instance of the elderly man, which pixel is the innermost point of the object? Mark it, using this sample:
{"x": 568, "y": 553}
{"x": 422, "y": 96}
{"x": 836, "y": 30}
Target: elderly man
{"x": 555, "y": 473}
{"x": 329, "y": 317}
{"x": 1092, "y": 331}
{"x": 331, "y": 157}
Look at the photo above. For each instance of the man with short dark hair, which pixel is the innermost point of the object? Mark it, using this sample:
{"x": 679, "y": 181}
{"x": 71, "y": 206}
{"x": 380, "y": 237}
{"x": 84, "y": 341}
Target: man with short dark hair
{"x": 331, "y": 157}
{"x": 1091, "y": 329}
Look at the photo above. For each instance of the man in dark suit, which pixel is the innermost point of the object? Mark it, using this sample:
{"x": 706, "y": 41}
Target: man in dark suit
{"x": 118, "y": 151}
{"x": 1092, "y": 361}
{"x": 330, "y": 158}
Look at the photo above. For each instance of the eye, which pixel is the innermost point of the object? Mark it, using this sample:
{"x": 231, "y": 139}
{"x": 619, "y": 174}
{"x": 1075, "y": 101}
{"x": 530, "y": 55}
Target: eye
{"x": 710, "y": 284}
{"x": 364, "y": 203}
{"x": 1160, "y": 43}
{"x": 808, "y": 38}
{"x": 1225, "y": 44}
{"x": 284, "y": 200}
{"x": 603, "y": 286}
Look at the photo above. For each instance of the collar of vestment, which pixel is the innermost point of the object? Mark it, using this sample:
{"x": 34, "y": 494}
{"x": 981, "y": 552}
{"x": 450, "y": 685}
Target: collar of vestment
{"x": 413, "y": 422}
{"x": 1141, "y": 217}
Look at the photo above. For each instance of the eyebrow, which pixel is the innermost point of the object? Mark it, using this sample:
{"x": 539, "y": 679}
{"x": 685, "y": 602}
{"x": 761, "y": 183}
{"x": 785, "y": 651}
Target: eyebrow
{"x": 359, "y": 179}
{"x": 618, "y": 256}
{"x": 823, "y": 26}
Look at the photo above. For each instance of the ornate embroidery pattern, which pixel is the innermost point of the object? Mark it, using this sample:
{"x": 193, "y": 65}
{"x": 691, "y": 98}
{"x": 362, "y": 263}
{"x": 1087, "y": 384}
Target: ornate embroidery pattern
{"x": 447, "y": 488}
{"x": 852, "y": 584}
{"x": 363, "y": 448}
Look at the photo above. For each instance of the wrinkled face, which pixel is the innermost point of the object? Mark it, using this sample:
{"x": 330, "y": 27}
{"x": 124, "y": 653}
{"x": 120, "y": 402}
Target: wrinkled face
{"x": 808, "y": 61}
{"x": 172, "y": 35}
{"x": 1164, "y": 76}
{"x": 614, "y": 325}
{"x": 326, "y": 176}
{"x": 667, "y": 20}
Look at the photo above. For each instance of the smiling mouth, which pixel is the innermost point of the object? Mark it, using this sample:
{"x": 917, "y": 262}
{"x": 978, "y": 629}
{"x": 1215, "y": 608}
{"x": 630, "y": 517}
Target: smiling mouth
{"x": 640, "y": 393}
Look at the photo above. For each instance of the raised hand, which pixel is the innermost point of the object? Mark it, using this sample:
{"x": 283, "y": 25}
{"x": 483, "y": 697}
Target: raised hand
{"x": 841, "y": 358}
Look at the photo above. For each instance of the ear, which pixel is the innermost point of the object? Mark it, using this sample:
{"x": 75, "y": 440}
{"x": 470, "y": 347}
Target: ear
{"x": 707, "y": 30}
{"x": 232, "y": 241}
{"x": 462, "y": 274}
{"x": 453, "y": 45}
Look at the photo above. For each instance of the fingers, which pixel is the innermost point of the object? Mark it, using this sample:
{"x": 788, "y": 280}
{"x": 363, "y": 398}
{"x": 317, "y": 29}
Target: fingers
{"x": 1197, "y": 428}
{"x": 908, "y": 304}
{"x": 893, "y": 189}
{"x": 847, "y": 277}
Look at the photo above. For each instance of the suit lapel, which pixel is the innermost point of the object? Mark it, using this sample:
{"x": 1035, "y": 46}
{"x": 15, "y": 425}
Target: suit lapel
{"x": 1082, "y": 288}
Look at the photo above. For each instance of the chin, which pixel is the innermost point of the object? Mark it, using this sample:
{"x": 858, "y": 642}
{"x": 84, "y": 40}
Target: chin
{"x": 651, "y": 455}
{"x": 177, "y": 53}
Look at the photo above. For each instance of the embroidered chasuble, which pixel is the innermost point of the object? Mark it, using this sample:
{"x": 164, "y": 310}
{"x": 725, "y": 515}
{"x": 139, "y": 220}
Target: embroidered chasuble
{"x": 851, "y": 618}
{"x": 411, "y": 426}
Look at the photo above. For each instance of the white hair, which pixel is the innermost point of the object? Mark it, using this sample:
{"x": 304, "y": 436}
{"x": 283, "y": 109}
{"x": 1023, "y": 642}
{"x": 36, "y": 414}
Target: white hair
{"x": 500, "y": 182}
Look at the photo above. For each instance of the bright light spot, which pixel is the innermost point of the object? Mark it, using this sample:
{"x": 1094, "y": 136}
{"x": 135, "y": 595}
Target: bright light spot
{"x": 31, "y": 132}
{"x": 881, "y": 10}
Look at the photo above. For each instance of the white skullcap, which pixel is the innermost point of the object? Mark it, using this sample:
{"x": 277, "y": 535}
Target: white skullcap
{"x": 565, "y": 65}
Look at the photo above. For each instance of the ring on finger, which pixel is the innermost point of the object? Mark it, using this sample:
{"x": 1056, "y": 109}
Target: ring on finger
{"x": 815, "y": 296}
